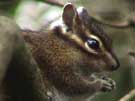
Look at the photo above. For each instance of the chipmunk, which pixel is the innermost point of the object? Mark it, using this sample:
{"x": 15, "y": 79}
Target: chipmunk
{"x": 70, "y": 51}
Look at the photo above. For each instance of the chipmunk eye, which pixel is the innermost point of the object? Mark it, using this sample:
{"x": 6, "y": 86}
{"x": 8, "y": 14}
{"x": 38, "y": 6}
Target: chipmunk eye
{"x": 93, "y": 43}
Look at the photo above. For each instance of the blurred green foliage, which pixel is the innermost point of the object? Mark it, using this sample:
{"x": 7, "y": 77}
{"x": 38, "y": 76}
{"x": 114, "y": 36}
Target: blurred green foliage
{"x": 8, "y": 6}
{"x": 123, "y": 38}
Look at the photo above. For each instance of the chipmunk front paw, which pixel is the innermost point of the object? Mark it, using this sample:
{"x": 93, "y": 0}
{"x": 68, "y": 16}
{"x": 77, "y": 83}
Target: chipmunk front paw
{"x": 107, "y": 84}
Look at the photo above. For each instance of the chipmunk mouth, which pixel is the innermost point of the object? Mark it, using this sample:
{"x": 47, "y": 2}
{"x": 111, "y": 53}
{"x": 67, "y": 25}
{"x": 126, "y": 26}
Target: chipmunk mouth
{"x": 87, "y": 76}
{"x": 91, "y": 77}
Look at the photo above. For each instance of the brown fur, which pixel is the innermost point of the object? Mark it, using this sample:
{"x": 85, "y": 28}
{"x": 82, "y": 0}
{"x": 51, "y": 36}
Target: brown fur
{"x": 68, "y": 66}
{"x": 59, "y": 61}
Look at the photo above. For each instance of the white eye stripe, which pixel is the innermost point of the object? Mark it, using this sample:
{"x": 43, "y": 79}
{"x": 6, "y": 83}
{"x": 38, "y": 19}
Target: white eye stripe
{"x": 90, "y": 35}
{"x": 79, "y": 41}
{"x": 84, "y": 44}
{"x": 96, "y": 38}
{"x": 75, "y": 38}
{"x": 89, "y": 49}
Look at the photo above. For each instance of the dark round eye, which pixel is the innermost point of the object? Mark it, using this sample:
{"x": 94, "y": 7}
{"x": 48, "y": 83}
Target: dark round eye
{"x": 92, "y": 43}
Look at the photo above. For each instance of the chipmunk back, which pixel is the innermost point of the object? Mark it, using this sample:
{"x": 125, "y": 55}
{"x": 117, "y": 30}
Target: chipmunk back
{"x": 70, "y": 52}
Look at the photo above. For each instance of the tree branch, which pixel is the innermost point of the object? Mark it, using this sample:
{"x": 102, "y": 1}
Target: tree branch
{"x": 128, "y": 96}
{"x": 55, "y": 2}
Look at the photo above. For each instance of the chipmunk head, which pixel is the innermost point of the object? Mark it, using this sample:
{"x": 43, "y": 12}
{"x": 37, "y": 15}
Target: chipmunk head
{"x": 89, "y": 36}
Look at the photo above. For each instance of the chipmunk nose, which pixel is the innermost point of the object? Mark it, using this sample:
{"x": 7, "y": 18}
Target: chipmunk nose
{"x": 115, "y": 66}
{"x": 112, "y": 61}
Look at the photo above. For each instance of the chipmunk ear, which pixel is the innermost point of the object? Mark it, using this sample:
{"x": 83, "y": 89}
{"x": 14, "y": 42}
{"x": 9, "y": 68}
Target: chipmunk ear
{"x": 69, "y": 14}
{"x": 83, "y": 14}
